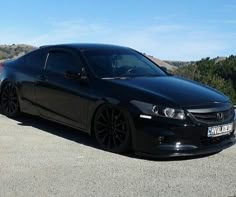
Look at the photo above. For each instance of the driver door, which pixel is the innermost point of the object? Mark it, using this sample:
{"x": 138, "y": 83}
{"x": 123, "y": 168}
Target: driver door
{"x": 58, "y": 96}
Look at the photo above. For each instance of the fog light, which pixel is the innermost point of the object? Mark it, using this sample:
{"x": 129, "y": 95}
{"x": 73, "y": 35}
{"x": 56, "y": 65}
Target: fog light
{"x": 145, "y": 116}
{"x": 160, "y": 139}
{"x": 177, "y": 145}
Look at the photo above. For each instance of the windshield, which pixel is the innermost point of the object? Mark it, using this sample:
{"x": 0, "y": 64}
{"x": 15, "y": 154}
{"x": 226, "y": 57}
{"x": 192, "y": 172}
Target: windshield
{"x": 107, "y": 63}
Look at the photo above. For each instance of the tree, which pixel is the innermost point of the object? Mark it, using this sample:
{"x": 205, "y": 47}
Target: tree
{"x": 219, "y": 75}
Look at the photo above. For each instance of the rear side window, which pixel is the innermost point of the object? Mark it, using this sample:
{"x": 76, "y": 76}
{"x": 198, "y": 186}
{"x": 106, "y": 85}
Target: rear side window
{"x": 61, "y": 61}
{"x": 36, "y": 59}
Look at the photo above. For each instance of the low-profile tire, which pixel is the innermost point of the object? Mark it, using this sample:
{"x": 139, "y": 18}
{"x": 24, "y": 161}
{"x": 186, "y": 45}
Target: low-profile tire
{"x": 112, "y": 129}
{"x": 9, "y": 101}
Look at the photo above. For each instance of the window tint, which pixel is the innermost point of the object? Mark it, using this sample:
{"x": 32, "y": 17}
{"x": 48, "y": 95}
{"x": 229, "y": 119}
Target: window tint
{"x": 36, "y": 59}
{"x": 60, "y": 61}
{"x": 121, "y": 63}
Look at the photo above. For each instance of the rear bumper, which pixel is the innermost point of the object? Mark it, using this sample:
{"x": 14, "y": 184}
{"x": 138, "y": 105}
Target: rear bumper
{"x": 156, "y": 139}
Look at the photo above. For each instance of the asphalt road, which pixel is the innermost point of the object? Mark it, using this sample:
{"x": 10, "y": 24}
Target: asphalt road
{"x": 40, "y": 158}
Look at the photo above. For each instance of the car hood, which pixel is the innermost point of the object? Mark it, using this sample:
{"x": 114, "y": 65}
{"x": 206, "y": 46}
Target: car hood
{"x": 174, "y": 89}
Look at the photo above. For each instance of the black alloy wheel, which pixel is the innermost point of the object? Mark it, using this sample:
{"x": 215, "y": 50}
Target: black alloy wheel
{"x": 112, "y": 129}
{"x": 9, "y": 101}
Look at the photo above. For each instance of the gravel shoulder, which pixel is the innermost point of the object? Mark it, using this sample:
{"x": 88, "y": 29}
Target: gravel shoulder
{"x": 41, "y": 158}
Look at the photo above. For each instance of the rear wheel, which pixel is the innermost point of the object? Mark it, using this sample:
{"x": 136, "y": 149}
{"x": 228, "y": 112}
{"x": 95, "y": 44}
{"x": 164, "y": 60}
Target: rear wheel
{"x": 9, "y": 101}
{"x": 112, "y": 129}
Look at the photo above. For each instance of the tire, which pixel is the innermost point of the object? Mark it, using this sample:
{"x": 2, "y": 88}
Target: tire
{"x": 9, "y": 101}
{"x": 112, "y": 129}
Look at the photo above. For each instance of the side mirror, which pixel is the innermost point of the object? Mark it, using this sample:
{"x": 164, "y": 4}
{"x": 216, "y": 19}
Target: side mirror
{"x": 84, "y": 76}
{"x": 72, "y": 75}
{"x": 81, "y": 76}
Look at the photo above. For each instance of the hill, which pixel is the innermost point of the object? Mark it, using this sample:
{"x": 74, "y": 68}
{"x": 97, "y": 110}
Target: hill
{"x": 13, "y": 51}
{"x": 179, "y": 64}
{"x": 162, "y": 63}
{"x": 219, "y": 73}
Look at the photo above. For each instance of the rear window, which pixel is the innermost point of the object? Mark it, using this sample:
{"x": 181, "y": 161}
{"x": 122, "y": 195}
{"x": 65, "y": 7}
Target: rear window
{"x": 61, "y": 61}
{"x": 35, "y": 59}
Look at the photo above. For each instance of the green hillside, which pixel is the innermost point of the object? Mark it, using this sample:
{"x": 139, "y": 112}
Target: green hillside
{"x": 12, "y": 51}
{"x": 220, "y": 75}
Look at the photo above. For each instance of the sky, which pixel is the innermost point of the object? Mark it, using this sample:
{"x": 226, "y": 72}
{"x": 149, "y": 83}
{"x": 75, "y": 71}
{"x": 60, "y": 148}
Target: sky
{"x": 181, "y": 30}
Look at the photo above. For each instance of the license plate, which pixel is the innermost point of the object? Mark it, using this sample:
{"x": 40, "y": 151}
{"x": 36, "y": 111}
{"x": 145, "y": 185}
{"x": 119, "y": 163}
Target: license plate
{"x": 220, "y": 130}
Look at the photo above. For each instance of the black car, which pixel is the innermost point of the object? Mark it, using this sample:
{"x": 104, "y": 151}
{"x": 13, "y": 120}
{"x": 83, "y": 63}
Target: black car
{"x": 121, "y": 97}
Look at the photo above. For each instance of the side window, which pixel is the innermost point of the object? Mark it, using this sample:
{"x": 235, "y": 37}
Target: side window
{"x": 36, "y": 59}
{"x": 61, "y": 61}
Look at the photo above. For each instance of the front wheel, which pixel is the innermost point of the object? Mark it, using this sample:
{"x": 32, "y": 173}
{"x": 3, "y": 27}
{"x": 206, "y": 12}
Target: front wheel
{"x": 112, "y": 129}
{"x": 9, "y": 101}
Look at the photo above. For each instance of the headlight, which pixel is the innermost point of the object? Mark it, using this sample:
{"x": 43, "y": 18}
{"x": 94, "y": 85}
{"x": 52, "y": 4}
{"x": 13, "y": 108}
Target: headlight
{"x": 156, "y": 110}
{"x": 168, "y": 112}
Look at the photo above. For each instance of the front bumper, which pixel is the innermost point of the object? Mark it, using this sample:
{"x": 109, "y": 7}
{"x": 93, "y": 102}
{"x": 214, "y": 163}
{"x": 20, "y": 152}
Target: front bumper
{"x": 168, "y": 138}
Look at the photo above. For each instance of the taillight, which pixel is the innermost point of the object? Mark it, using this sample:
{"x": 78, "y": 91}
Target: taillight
{"x": 1, "y": 67}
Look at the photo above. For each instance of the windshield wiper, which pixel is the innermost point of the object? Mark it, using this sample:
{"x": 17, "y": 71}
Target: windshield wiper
{"x": 115, "y": 77}
{"x": 151, "y": 75}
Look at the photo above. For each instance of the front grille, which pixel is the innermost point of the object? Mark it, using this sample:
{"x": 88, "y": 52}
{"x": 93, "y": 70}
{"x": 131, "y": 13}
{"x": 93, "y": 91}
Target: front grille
{"x": 214, "y": 117}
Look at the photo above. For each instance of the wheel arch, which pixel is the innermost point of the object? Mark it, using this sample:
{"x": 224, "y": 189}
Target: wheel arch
{"x": 5, "y": 82}
{"x": 98, "y": 104}
{"x": 12, "y": 83}
{"x": 124, "y": 107}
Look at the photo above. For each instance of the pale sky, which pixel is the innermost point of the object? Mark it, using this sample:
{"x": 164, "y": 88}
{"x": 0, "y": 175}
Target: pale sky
{"x": 166, "y": 29}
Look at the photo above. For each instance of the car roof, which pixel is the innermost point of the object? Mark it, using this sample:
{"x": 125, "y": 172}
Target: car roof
{"x": 86, "y": 46}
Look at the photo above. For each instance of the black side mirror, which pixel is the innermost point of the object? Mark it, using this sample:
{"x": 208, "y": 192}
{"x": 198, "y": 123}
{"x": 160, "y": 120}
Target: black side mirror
{"x": 81, "y": 76}
{"x": 84, "y": 76}
{"x": 72, "y": 75}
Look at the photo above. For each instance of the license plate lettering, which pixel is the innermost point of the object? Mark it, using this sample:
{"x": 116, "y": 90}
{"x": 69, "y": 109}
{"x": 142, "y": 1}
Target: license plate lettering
{"x": 220, "y": 130}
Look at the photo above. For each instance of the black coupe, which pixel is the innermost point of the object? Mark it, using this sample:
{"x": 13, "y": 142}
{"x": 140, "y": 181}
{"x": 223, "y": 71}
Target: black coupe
{"x": 121, "y": 97}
